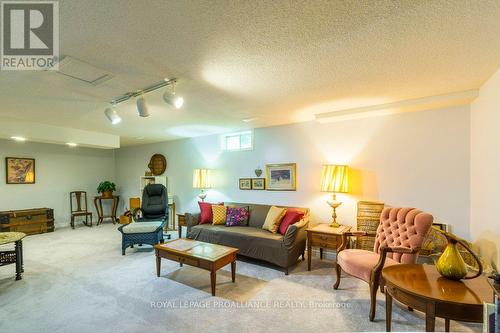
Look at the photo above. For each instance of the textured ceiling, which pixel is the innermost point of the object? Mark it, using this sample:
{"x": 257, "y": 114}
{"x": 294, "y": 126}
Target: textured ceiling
{"x": 279, "y": 61}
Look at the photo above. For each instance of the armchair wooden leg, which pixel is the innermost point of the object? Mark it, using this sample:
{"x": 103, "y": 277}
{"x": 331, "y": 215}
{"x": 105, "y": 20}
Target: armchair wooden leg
{"x": 373, "y": 298}
{"x": 338, "y": 269}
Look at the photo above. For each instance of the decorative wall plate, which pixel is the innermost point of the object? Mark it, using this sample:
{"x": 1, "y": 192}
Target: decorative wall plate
{"x": 157, "y": 164}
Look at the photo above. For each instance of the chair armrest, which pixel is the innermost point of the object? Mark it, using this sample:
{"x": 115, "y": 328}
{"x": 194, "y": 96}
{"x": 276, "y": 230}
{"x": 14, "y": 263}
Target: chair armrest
{"x": 355, "y": 233}
{"x": 377, "y": 270}
{"x": 398, "y": 249}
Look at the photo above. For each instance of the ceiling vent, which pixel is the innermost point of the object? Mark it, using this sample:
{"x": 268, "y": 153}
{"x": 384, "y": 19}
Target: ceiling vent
{"x": 82, "y": 71}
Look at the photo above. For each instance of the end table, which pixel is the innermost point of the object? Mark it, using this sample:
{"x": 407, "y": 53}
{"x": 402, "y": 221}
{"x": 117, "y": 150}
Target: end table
{"x": 421, "y": 287}
{"x": 324, "y": 237}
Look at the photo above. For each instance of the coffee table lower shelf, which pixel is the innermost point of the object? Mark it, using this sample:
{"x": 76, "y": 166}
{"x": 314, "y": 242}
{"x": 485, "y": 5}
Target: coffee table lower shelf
{"x": 226, "y": 255}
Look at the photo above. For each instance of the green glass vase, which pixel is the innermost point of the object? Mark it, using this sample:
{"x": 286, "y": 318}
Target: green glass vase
{"x": 451, "y": 265}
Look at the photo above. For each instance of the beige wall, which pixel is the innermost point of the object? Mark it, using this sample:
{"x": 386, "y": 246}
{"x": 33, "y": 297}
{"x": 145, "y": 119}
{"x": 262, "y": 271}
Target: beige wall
{"x": 485, "y": 169}
{"x": 418, "y": 159}
{"x": 59, "y": 170}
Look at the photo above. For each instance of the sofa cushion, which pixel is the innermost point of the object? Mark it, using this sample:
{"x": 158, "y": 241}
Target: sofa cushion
{"x": 292, "y": 216}
{"x": 257, "y": 213}
{"x": 359, "y": 263}
{"x": 273, "y": 219}
{"x": 141, "y": 227}
{"x": 218, "y": 214}
{"x": 239, "y": 237}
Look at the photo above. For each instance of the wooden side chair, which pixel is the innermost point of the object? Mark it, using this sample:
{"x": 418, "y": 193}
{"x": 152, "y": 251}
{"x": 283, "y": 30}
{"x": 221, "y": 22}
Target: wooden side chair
{"x": 79, "y": 197}
{"x": 399, "y": 236}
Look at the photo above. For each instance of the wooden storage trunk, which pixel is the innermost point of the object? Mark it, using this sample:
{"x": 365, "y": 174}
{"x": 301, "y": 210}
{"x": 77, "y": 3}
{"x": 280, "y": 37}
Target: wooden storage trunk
{"x": 29, "y": 221}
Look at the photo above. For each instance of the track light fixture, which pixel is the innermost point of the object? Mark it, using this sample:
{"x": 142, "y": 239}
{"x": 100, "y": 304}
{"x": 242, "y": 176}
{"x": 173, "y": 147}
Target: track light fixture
{"x": 142, "y": 107}
{"x": 172, "y": 99}
{"x": 112, "y": 115}
{"x": 169, "y": 96}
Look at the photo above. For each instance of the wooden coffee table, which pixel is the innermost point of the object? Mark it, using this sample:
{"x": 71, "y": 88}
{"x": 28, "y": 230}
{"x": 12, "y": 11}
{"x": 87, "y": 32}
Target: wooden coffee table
{"x": 208, "y": 256}
{"x": 421, "y": 287}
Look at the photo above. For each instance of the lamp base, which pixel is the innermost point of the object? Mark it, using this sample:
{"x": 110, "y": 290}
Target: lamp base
{"x": 334, "y": 224}
{"x": 334, "y": 204}
{"x": 202, "y": 195}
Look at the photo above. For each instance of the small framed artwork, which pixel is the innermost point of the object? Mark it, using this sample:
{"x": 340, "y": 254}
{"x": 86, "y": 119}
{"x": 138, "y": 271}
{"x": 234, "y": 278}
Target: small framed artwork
{"x": 19, "y": 170}
{"x": 258, "y": 183}
{"x": 245, "y": 184}
{"x": 281, "y": 177}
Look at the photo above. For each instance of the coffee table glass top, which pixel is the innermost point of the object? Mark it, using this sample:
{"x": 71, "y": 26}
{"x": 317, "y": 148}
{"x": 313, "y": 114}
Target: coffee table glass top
{"x": 197, "y": 249}
{"x": 425, "y": 280}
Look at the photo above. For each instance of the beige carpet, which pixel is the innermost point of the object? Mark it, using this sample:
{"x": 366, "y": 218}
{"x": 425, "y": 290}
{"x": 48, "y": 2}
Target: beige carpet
{"x": 77, "y": 281}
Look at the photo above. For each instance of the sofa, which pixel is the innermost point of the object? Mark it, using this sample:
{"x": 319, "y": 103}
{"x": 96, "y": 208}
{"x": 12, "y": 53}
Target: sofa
{"x": 253, "y": 241}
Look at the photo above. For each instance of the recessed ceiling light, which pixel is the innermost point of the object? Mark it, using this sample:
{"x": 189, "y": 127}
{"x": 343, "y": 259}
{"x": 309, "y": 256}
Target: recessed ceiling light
{"x": 248, "y": 120}
{"x": 18, "y": 138}
{"x": 71, "y": 144}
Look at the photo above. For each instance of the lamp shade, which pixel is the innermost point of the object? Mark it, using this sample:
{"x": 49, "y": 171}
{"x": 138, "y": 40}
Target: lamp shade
{"x": 201, "y": 178}
{"x": 334, "y": 178}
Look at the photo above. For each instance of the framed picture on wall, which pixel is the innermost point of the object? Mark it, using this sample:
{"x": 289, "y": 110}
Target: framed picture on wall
{"x": 258, "y": 183}
{"x": 19, "y": 170}
{"x": 281, "y": 177}
{"x": 245, "y": 184}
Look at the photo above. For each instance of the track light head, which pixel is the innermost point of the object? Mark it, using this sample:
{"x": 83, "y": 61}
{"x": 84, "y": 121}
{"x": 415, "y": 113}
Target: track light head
{"x": 172, "y": 99}
{"x": 112, "y": 116}
{"x": 142, "y": 107}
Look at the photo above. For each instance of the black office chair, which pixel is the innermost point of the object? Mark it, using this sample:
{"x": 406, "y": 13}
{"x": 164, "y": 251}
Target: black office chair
{"x": 154, "y": 206}
{"x": 149, "y": 220}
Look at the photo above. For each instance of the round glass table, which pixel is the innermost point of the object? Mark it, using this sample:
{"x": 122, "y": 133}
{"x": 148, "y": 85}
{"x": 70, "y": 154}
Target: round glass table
{"x": 13, "y": 256}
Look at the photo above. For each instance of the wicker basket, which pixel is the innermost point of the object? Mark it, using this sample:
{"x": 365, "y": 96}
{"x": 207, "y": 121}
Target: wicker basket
{"x": 368, "y": 219}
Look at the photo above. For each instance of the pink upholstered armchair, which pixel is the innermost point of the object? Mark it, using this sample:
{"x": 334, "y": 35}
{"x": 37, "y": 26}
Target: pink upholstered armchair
{"x": 399, "y": 237}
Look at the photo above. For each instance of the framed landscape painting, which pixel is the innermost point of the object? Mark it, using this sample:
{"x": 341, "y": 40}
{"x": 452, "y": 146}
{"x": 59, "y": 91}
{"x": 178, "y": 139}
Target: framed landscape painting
{"x": 258, "y": 183}
{"x": 281, "y": 177}
{"x": 19, "y": 170}
{"x": 245, "y": 184}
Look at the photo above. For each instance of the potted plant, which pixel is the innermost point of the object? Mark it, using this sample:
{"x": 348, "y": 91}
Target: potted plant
{"x": 106, "y": 188}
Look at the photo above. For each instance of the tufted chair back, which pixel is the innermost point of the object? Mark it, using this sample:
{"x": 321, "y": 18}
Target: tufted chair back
{"x": 406, "y": 227}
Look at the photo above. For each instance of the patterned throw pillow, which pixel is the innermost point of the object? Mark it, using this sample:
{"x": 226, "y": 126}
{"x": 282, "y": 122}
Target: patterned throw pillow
{"x": 236, "y": 216}
{"x": 218, "y": 214}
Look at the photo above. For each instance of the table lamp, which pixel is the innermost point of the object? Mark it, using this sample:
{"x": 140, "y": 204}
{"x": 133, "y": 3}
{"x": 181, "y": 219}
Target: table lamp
{"x": 201, "y": 180}
{"x": 334, "y": 178}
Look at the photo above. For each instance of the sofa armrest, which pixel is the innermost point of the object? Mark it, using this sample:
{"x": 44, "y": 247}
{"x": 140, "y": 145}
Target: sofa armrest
{"x": 295, "y": 232}
{"x": 192, "y": 219}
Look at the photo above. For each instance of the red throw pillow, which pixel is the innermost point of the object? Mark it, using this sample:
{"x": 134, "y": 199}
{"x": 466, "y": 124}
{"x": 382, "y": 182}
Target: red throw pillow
{"x": 292, "y": 216}
{"x": 206, "y": 212}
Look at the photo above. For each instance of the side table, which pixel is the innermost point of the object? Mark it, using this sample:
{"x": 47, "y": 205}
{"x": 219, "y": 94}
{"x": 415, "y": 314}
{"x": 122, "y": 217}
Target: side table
{"x": 421, "y": 287}
{"x": 181, "y": 221}
{"x": 98, "y": 207}
{"x": 324, "y": 237}
{"x": 16, "y": 256}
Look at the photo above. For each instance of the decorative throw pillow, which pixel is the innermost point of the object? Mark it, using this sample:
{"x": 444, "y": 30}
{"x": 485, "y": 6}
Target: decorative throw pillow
{"x": 292, "y": 216}
{"x": 219, "y": 214}
{"x": 273, "y": 219}
{"x": 236, "y": 216}
{"x": 206, "y": 211}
